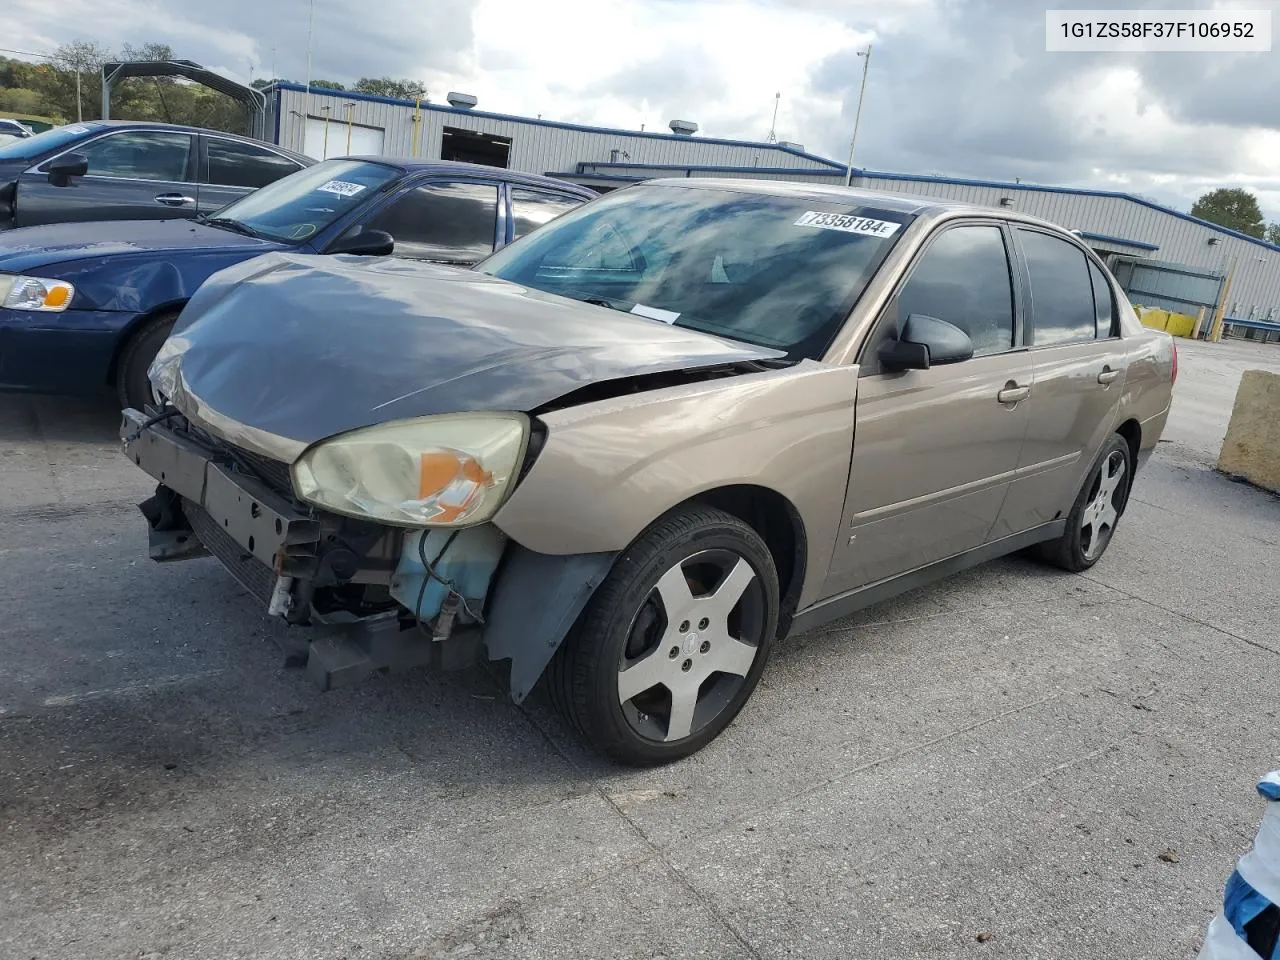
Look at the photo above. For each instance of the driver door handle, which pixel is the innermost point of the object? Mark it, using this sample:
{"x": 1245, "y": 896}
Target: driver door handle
{"x": 174, "y": 199}
{"x": 1107, "y": 375}
{"x": 1012, "y": 393}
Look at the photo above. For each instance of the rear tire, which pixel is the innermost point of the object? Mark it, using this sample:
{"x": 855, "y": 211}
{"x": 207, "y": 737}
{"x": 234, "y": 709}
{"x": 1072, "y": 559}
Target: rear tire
{"x": 673, "y": 642}
{"x": 133, "y": 389}
{"x": 1096, "y": 512}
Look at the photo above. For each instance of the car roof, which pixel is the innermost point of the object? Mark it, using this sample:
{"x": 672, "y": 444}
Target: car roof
{"x": 924, "y": 207}
{"x": 456, "y": 168}
{"x": 827, "y": 193}
{"x": 99, "y": 125}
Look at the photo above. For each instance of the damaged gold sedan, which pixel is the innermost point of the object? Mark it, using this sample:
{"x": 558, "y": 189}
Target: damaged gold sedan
{"x": 633, "y": 449}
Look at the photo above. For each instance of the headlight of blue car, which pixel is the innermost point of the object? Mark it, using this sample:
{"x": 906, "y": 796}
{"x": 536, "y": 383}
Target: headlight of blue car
{"x": 37, "y": 294}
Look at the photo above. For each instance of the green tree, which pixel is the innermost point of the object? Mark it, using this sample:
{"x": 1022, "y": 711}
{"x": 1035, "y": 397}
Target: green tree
{"x": 50, "y": 89}
{"x": 56, "y": 81}
{"x": 1273, "y": 234}
{"x": 146, "y": 51}
{"x": 21, "y": 100}
{"x": 387, "y": 87}
{"x": 327, "y": 84}
{"x": 1233, "y": 208}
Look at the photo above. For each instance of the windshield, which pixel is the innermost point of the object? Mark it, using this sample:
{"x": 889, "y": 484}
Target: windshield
{"x": 297, "y": 207}
{"x": 773, "y": 271}
{"x": 42, "y": 143}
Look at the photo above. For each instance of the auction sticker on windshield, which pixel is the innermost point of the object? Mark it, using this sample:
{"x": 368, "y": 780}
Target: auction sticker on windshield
{"x": 342, "y": 188}
{"x": 848, "y": 223}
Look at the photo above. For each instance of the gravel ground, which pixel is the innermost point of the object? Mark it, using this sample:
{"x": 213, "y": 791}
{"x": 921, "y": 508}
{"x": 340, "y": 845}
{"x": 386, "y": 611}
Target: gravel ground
{"x": 1014, "y": 763}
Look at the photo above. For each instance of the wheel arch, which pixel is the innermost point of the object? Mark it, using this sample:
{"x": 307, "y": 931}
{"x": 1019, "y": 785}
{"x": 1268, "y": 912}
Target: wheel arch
{"x": 138, "y": 323}
{"x": 1131, "y": 430}
{"x": 780, "y": 526}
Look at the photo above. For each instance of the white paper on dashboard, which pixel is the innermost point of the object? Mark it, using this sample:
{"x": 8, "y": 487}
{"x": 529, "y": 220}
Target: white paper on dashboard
{"x": 653, "y": 313}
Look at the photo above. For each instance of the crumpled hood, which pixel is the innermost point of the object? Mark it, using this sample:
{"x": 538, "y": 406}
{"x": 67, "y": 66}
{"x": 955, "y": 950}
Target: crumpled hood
{"x": 305, "y": 347}
{"x": 30, "y": 248}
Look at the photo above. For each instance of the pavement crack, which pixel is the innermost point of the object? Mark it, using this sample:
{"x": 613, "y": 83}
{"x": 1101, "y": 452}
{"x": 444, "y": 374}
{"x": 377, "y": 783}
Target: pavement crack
{"x": 1041, "y": 778}
{"x": 656, "y": 852}
{"x": 42, "y": 437}
{"x": 895, "y": 755}
{"x": 1190, "y": 618}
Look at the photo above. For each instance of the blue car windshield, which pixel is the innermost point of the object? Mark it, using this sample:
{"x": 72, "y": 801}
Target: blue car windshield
{"x": 775, "y": 271}
{"x": 45, "y": 142}
{"x": 297, "y": 207}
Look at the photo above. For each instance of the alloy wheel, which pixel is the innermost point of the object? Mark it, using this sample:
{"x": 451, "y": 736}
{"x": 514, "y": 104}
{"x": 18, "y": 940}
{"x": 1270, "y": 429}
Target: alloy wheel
{"x": 691, "y": 645}
{"x": 1102, "y": 511}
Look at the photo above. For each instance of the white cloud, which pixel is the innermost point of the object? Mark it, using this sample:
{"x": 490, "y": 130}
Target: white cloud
{"x": 551, "y": 59}
{"x": 957, "y": 86}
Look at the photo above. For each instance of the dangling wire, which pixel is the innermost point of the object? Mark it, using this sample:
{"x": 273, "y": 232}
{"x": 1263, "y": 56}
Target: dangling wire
{"x": 449, "y": 585}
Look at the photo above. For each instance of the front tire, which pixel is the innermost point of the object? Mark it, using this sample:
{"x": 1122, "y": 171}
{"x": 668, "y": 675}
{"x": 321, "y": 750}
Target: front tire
{"x": 1098, "y": 508}
{"x": 133, "y": 389}
{"x": 673, "y": 642}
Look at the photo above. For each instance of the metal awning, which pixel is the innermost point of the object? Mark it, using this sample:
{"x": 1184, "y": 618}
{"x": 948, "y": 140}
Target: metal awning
{"x": 255, "y": 100}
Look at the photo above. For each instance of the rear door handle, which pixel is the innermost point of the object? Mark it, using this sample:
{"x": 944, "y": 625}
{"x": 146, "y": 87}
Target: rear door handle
{"x": 174, "y": 199}
{"x": 1107, "y": 375}
{"x": 1012, "y": 393}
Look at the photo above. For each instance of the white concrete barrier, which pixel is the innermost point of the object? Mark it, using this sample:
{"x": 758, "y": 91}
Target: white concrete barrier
{"x": 1252, "y": 447}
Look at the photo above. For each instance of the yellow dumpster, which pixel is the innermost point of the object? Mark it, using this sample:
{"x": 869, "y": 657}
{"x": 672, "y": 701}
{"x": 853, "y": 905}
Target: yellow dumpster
{"x": 1153, "y": 317}
{"x": 1180, "y": 324}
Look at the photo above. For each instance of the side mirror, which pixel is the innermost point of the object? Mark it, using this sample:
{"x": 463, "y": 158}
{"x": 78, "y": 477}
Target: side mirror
{"x": 924, "y": 342}
{"x": 67, "y": 166}
{"x": 365, "y": 243}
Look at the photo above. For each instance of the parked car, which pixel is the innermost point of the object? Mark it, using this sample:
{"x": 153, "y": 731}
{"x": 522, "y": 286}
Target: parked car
{"x": 673, "y": 425}
{"x": 85, "y": 306}
{"x": 122, "y": 170}
{"x": 14, "y": 128}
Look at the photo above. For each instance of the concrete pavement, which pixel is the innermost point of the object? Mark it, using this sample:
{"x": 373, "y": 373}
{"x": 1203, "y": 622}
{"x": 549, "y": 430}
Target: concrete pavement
{"x": 991, "y": 767}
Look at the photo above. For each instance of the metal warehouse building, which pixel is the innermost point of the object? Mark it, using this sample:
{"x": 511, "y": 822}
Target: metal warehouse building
{"x": 1164, "y": 258}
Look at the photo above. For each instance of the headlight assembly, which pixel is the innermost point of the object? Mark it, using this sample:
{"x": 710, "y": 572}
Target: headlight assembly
{"x": 444, "y": 471}
{"x": 35, "y": 293}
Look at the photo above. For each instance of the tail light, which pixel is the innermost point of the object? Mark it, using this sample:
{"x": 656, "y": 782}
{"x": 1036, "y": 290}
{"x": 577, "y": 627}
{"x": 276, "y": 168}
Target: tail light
{"x": 1174, "y": 378}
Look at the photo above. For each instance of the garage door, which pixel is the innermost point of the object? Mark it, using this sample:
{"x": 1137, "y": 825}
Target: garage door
{"x": 1170, "y": 286}
{"x": 326, "y": 139}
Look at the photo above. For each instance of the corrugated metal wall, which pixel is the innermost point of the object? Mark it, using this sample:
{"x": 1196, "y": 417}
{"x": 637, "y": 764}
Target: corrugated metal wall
{"x": 535, "y": 147}
{"x": 1255, "y": 290}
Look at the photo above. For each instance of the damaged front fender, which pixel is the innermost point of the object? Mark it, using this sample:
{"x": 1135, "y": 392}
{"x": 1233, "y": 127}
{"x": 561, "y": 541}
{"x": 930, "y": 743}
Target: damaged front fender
{"x": 535, "y": 602}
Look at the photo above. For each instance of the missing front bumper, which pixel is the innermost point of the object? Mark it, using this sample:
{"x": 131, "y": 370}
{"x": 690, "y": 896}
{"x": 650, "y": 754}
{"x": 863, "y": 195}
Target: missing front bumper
{"x": 203, "y": 507}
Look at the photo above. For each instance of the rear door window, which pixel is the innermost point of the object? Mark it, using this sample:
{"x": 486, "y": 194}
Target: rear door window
{"x": 449, "y": 222}
{"x": 139, "y": 155}
{"x": 232, "y": 164}
{"x": 1062, "y": 298}
{"x": 963, "y": 278}
{"x": 530, "y": 209}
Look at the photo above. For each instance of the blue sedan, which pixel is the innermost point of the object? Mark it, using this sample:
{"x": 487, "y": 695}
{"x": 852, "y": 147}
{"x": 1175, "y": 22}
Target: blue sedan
{"x": 84, "y": 307}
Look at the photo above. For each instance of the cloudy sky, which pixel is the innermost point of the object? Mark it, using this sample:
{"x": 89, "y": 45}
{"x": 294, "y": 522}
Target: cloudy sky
{"x": 960, "y": 87}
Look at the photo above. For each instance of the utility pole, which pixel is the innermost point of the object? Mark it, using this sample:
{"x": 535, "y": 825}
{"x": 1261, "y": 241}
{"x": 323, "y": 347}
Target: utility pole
{"x": 866, "y": 65}
{"x": 79, "y": 109}
{"x": 773, "y": 127}
{"x": 311, "y": 22}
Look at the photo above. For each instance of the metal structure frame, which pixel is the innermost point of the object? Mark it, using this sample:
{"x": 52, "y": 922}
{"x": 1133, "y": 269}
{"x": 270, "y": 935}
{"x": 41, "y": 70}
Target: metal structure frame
{"x": 254, "y": 99}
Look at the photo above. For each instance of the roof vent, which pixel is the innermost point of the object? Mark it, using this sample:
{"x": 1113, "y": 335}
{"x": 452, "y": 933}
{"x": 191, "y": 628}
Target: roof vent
{"x": 684, "y": 128}
{"x": 791, "y": 144}
{"x": 463, "y": 101}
